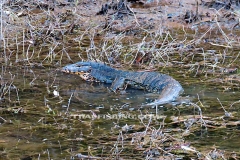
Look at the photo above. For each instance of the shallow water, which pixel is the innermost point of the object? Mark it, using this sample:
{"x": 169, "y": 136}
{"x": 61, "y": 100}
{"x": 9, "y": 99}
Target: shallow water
{"x": 39, "y": 126}
{"x": 47, "y": 114}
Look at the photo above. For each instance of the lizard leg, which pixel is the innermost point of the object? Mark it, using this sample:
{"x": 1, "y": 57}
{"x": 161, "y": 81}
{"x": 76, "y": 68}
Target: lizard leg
{"x": 118, "y": 84}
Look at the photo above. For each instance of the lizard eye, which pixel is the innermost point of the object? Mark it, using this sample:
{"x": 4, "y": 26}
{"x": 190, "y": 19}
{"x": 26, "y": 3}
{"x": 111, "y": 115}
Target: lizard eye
{"x": 78, "y": 65}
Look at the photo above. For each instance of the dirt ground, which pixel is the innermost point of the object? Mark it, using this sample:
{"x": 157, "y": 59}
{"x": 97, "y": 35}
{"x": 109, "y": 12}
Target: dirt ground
{"x": 123, "y": 16}
{"x": 189, "y": 24}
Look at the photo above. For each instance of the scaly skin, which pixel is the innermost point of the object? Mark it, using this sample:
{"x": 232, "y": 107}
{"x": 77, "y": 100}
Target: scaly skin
{"x": 168, "y": 88}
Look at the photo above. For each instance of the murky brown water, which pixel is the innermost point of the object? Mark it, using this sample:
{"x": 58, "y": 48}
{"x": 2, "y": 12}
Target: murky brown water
{"x": 39, "y": 125}
{"x": 46, "y": 114}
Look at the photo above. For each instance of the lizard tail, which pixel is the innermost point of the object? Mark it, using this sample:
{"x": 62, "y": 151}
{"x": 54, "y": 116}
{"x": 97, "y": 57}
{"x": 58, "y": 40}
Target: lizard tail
{"x": 169, "y": 93}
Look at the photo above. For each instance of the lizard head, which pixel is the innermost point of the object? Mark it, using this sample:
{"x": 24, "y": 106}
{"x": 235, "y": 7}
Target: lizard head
{"x": 83, "y": 69}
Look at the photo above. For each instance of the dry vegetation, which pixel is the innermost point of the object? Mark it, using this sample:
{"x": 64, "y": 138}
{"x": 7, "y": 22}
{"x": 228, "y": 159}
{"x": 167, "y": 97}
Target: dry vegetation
{"x": 201, "y": 38}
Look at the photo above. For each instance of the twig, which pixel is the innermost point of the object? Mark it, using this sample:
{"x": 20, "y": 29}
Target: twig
{"x": 69, "y": 100}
